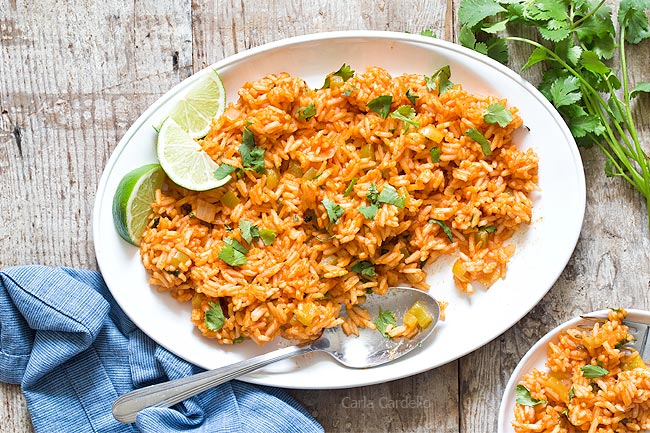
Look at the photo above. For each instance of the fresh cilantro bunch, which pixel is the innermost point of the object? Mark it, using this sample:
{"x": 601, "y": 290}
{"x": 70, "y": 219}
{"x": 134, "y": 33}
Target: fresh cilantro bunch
{"x": 578, "y": 37}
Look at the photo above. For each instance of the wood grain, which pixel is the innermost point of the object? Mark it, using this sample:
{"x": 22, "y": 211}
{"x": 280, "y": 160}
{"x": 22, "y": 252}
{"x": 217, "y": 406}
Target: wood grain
{"x": 73, "y": 81}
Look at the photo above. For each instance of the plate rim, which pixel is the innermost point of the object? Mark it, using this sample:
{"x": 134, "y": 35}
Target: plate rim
{"x": 324, "y": 38}
{"x": 540, "y": 344}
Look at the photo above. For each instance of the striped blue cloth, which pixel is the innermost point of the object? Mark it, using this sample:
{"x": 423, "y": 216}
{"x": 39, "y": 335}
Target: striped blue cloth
{"x": 67, "y": 343}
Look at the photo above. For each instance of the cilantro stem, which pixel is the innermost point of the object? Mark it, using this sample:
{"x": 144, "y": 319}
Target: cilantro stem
{"x": 624, "y": 152}
{"x": 628, "y": 109}
{"x": 587, "y": 16}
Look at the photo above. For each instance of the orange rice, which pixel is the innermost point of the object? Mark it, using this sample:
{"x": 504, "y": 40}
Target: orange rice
{"x": 617, "y": 402}
{"x": 302, "y": 282}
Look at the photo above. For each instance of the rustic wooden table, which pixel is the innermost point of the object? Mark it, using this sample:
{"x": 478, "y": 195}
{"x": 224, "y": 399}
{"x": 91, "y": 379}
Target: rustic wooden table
{"x": 75, "y": 75}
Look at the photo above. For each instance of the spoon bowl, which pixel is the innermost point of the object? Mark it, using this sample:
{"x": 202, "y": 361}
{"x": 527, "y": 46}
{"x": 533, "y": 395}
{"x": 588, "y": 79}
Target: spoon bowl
{"x": 369, "y": 349}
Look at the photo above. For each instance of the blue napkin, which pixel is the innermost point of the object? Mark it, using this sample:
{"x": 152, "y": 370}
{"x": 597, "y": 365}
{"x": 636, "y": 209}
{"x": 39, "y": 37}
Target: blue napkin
{"x": 72, "y": 349}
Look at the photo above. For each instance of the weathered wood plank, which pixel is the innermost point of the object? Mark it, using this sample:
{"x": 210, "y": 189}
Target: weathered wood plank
{"x": 226, "y": 27}
{"x": 73, "y": 78}
{"x": 609, "y": 268}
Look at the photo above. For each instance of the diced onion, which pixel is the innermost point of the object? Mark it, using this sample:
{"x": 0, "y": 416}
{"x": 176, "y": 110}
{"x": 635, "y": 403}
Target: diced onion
{"x": 336, "y": 81}
{"x": 420, "y": 313}
{"x": 367, "y": 151}
{"x": 459, "y": 271}
{"x": 272, "y": 178}
{"x": 305, "y": 313}
{"x": 432, "y": 133}
{"x": 178, "y": 258}
{"x": 481, "y": 238}
{"x": 229, "y": 199}
{"x": 294, "y": 168}
{"x": 205, "y": 211}
{"x": 310, "y": 174}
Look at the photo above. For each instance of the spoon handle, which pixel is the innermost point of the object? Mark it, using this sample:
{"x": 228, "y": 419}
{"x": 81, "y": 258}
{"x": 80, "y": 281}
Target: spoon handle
{"x": 167, "y": 394}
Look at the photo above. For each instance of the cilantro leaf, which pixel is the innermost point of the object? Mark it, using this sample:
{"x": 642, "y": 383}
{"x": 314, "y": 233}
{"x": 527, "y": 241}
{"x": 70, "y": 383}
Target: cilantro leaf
{"x": 597, "y": 32}
{"x": 411, "y": 96}
{"x": 642, "y": 87}
{"x": 538, "y": 55}
{"x": 590, "y": 61}
{"x": 267, "y": 236}
{"x": 348, "y": 190}
{"x": 223, "y": 171}
{"x": 631, "y": 15}
{"x": 252, "y": 156}
{"x": 572, "y": 393}
{"x": 390, "y": 195}
{"x": 466, "y": 37}
{"x": 565, "y": 91}
{"x": 369, "y": 211}
{"x": 581, "y": 123}
{"x": 238, "y": 339}
{"x": 233, "y": 253}
{"x": 497, "y": 113}
{"x": 499, "y": 26}
{"x": 489, "y": 229}
{"x": 373, "y": 193}
{"x": 476, "y": 135}
{"x": 556, "y": 31}
{"x": 334, "y": 211}
{"x": 381, "y": 105}
{"x": 406, "y": 114}
{"x": 472, "y": 12}
{"x": 445, "y": 228}
{"x": 384, "y": 318}
{"x": 248, "y": 230}
{"x": 568, "y": 51}
{"x": 440, "y": 80}
{"x": 435, "y": 153}
{"x": 497, "y": 49}
{"x": 214, "y": 318}
{"x": 364, "y": 268}
{"x": 428, "y": 32}
{"x": 345, "y": 72}
{"x": 593, "y": 371}
{"x": 306, "y": 113}
{"x": 524, "y": 398}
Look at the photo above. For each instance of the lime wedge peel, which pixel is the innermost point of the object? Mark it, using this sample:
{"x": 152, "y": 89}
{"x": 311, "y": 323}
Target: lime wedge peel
{"x": 184, "y": 161}
{"x": 203, "y": 102}
{"x": 132, "y": 201}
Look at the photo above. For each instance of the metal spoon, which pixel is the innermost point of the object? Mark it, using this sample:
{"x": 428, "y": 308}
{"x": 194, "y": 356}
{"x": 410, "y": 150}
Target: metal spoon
{"x": 369, "y": 349}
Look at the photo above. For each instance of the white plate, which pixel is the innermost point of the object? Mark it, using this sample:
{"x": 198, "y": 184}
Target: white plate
{"x": 543, "y": 249}
{"x": 536, "y": 358}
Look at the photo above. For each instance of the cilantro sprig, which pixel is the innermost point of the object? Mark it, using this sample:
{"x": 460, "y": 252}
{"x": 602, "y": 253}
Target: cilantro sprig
{"x": 364, "y": 267}
{"x": 523, "y": 397}
{"x": 252, "y": 157}
{"x": 388, "y": 195}
{"x": 344, "y": 73}
{"x": 497, "y": 113}
{"x": 579, "y": 38}
{"x": 406, "y": 114}
{"x": 381, "y": 105}
{"x": 439, "y": 80}
{"x": 306, "y": 113}
{"x": 214, "y": 318}
{"x": 233, "y": 252}
{"x": 384, "y": 318}
{"x": 334, "y": 211}
{"x": 593, "y": 371}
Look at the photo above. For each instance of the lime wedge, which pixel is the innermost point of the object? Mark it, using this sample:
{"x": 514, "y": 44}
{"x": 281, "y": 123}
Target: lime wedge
{"x": 205, "y": 101}
{"x": 184, "y": 161}
{"x": 132, "y": 201}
